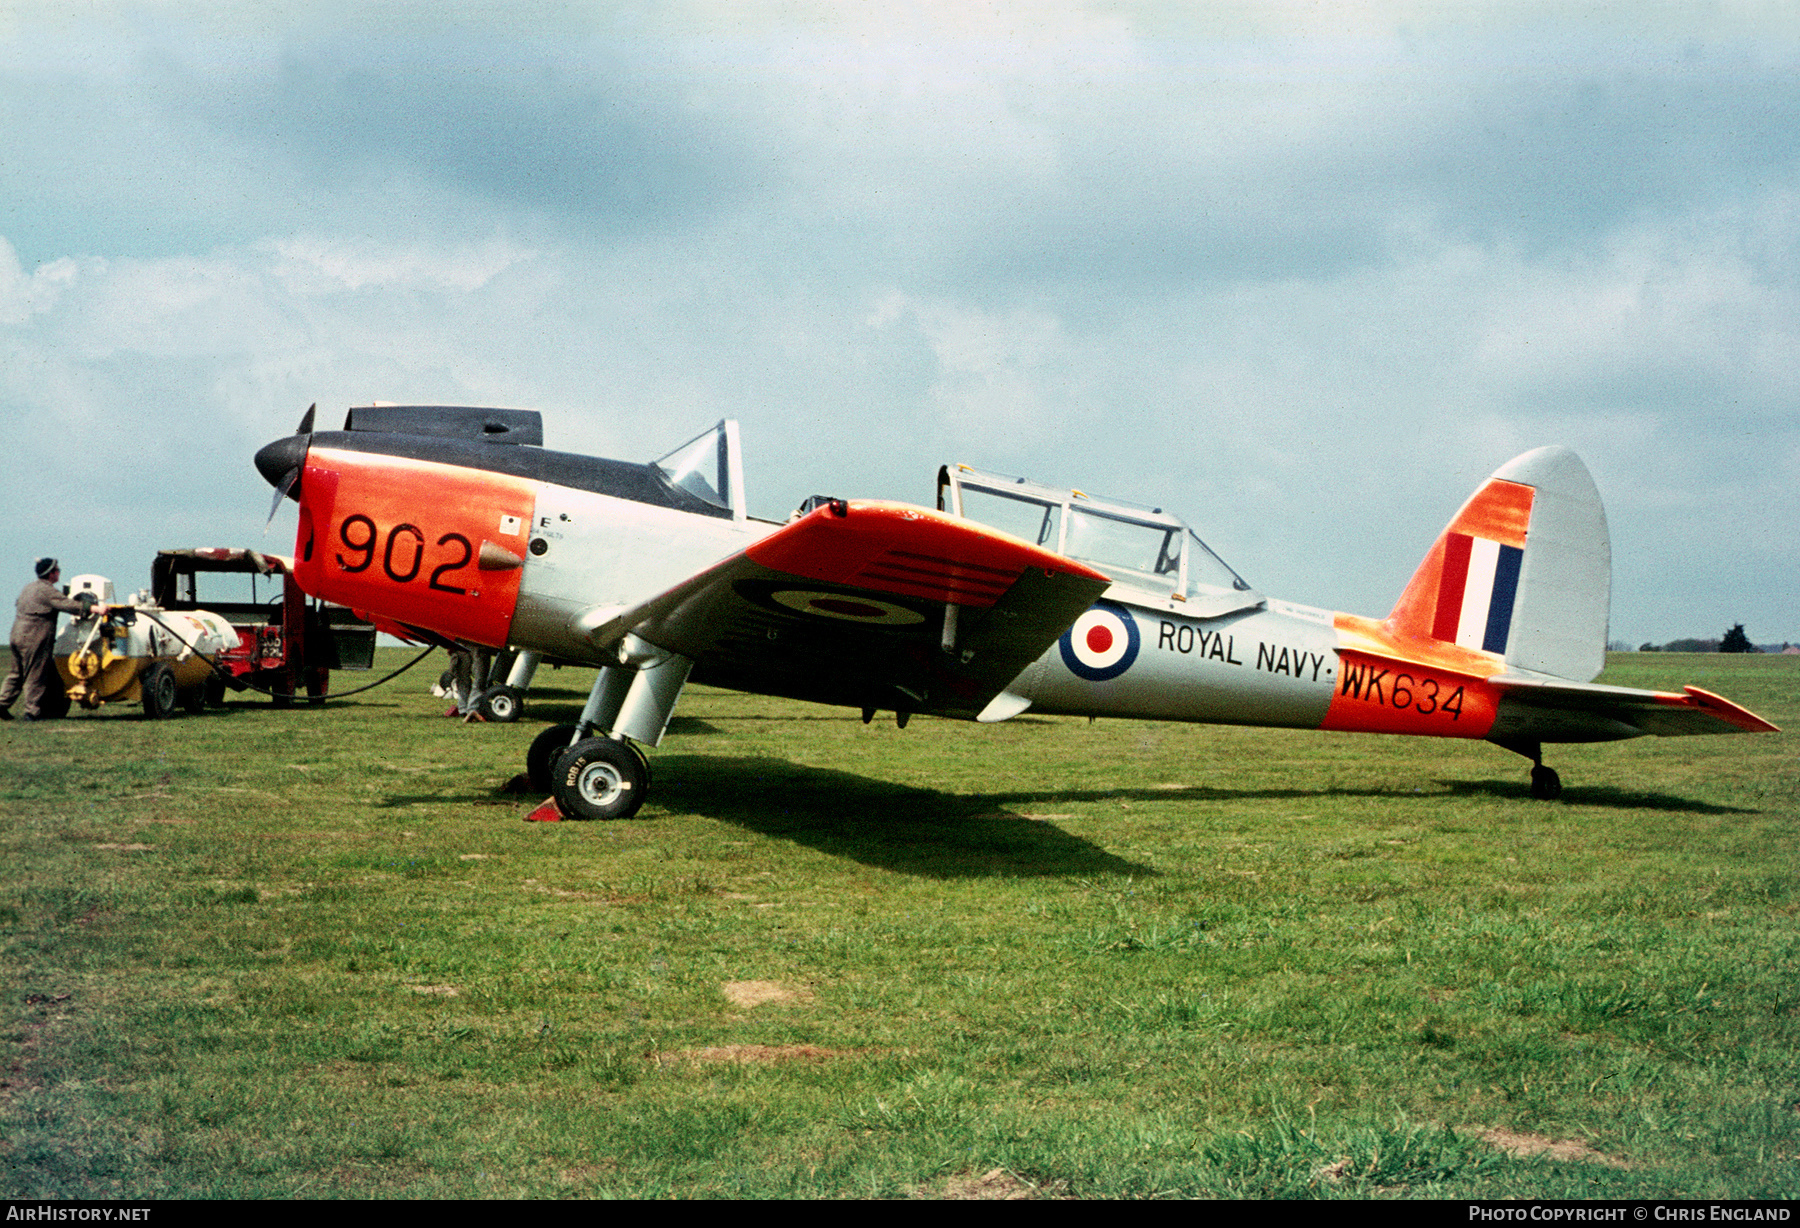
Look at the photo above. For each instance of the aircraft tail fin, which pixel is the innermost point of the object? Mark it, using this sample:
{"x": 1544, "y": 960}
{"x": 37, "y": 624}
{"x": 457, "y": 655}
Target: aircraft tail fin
{"x": 1523, "y": 571}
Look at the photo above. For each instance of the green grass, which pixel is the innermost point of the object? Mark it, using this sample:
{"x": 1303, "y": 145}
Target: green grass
{"x": 315, "y": 953}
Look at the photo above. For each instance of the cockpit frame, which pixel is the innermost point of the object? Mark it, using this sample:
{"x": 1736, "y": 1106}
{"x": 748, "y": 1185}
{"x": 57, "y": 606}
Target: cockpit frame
{"x": 710, "y": 467}
{"x": 1143, "y": 548}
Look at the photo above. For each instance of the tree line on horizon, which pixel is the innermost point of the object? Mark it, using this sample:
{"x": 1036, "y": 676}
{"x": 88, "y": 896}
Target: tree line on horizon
{"x": 1734, "y": 640}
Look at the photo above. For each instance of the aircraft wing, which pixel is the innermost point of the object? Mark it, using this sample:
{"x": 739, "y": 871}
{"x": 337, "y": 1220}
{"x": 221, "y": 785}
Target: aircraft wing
{"x": 1662, "y": 713}
{"x": 870, "y": 605}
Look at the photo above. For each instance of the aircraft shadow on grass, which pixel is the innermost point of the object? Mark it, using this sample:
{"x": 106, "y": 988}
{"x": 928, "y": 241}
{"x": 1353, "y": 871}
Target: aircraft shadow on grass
{"x": 950, "y": 806}
{"x": 1507, "y": 790}
{"x": 880, "y": 823}
{"x": 1605, "y": 796}
{"x": 933, "y": 834}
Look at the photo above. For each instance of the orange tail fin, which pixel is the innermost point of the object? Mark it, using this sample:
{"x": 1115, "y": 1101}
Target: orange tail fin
{"x": 1523, "y": 571}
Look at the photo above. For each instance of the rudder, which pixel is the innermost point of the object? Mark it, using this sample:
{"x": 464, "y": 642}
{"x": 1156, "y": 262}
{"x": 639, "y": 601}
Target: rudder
{"x": 1523, "y": 571}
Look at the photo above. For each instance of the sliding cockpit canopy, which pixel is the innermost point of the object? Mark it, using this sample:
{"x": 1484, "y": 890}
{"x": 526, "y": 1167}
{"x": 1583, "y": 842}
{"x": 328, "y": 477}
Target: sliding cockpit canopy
{"x": 1142, "y": 548}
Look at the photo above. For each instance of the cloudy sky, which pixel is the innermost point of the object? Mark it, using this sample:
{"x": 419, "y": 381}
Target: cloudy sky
{"x": 1301, "y": 272}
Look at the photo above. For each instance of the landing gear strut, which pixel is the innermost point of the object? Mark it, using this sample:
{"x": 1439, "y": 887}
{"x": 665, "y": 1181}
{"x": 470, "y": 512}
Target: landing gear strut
{"x": 606, "y": 776}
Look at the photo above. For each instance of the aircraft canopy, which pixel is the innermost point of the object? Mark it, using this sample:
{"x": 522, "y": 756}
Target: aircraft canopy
{"x": 1144, "y": 548}
{"x": 710, "y": 466}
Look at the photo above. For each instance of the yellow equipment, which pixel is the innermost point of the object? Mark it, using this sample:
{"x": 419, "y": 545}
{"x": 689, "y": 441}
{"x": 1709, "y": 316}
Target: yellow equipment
{"x": 137, "y": 653}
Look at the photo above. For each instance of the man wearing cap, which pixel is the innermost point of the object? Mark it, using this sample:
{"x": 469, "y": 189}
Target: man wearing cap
{"x": 33, "y": 637}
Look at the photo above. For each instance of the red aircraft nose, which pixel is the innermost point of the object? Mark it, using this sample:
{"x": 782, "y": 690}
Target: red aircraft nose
{"x": 424, "y": 543}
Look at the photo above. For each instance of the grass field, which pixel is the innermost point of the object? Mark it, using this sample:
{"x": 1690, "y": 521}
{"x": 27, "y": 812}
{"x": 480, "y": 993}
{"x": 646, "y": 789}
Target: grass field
{"x": 316, "y": 953}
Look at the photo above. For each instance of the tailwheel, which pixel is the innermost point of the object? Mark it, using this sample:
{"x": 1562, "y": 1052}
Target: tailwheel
{"x": 599, "y": 778}
{"x": 1546, "y": 785}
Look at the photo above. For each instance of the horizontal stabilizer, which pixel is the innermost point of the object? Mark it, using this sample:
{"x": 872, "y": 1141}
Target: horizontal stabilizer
{"x": 1585, "y": 705}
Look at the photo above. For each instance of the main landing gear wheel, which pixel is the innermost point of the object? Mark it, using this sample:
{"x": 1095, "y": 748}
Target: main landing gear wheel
{"x": 541, "y": 758}
{"x": 1546, "y": 785}
{"x": 160, "y": 692}
{"x": 599, "y": 778}
{"x": 502, "y": 704}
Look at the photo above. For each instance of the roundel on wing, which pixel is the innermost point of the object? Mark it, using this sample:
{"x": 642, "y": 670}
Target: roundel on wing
{"x": 854, "y": 608}
{"x": 1102, "y": 644}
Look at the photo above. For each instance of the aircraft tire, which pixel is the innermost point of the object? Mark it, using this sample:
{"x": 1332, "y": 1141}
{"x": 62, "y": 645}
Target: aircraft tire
{"x": 214, "y": 691}
{"x": 540, "y": 760}
{"x": 502, "y": 704}
{"x": 1546, "y": 785}
{"x": 160, "y": 692}
{"x": 194, "y": 699}
{"x": 599, "y": 778}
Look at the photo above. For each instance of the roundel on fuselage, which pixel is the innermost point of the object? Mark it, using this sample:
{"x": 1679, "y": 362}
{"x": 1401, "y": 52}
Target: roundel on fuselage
{"x": 1102, "y": 644}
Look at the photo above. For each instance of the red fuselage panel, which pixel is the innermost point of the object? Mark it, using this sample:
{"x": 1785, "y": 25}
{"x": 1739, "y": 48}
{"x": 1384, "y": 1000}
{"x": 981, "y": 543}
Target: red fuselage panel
{"x": 1379, "y": 695}
{"x": 404, "y": 539}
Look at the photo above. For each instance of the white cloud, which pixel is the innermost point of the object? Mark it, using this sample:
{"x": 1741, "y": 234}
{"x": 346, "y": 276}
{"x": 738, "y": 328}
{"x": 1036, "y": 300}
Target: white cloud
{"x": 315, "y": 264}
{"x": 23, "y": 295}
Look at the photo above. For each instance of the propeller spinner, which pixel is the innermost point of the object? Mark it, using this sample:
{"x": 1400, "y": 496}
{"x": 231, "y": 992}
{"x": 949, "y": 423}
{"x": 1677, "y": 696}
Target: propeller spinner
{"x": 280, "y": 463}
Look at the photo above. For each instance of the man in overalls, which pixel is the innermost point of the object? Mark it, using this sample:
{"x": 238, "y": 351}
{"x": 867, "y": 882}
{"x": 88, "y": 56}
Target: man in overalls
{"x": 33, "y": 638}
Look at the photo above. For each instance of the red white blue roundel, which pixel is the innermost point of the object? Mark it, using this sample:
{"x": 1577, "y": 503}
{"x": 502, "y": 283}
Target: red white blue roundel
{"x": 849, "y": 607}
{"x": 1102, "y": 644}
